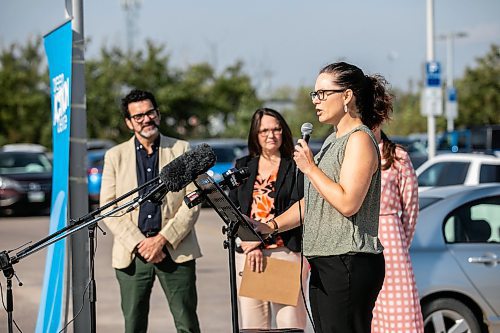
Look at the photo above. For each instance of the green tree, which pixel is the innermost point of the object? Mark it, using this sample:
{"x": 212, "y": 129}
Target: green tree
{"x": 25, "y": 113}
{"x": 189, "y": 100}
{"x": 234, "y": 100}
{"x": 111, "y": 76}
{"x": 479, "y": 91}
{"x": 406, "y": 117}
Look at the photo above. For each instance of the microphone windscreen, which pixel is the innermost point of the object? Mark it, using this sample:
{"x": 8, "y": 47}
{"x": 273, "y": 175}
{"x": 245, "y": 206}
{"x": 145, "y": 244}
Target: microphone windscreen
{"x": 184, "y": 169}
{"x": 306, "y": 130}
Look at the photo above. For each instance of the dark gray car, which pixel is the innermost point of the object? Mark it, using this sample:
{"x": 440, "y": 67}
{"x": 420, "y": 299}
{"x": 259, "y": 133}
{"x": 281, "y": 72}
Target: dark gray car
{"x": 456, "y": 258}
{"x": 25, "y": 182}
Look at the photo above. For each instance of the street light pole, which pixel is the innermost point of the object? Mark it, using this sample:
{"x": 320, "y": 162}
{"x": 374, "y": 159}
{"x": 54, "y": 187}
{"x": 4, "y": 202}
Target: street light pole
{"x": 451, "y": 103}
{"x": 431, "y": 120}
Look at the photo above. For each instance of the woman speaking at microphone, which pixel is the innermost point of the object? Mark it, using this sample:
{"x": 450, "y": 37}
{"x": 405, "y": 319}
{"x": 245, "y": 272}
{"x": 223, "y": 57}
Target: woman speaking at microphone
{"x": 269, "y": 191}
{"x": 341, "y": 201}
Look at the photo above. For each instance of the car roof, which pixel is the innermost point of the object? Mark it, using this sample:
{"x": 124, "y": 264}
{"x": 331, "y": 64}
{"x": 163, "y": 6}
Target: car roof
{"x": 466, "y": 156}
{"x": 96, "y": 153}
{"x": 456, "y": 157}
{"x": 441, "y": 201}
{"x": 97, "y": 144}
{"x": 24, "y": 147}
{"x": 449, "y": 191}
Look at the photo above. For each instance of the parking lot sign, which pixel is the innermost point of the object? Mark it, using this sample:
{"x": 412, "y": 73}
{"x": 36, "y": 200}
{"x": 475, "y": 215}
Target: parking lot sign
{"x": 433, "y": 74}
{"x": 431, "y": 103}
{"x": 451, "y": 103}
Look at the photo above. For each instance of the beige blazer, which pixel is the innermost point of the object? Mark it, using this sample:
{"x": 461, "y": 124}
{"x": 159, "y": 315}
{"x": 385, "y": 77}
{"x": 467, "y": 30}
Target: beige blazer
{"x": 119, "y": 177}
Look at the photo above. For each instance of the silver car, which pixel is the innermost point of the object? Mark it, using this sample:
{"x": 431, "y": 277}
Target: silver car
{"x": 456, "y": 258}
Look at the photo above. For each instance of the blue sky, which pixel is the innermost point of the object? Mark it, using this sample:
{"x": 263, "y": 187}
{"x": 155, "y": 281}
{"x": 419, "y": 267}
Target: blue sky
{"x": 281, "y": 42}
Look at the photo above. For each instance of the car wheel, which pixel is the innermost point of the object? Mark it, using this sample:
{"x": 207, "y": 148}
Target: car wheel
{"x": 449, "y": 315}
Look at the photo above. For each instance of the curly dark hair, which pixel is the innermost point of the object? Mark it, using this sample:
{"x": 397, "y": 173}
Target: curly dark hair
{"x": 373, "y": 101}
{"x": 254, "y": 149}
{"x": 136, "y": 95}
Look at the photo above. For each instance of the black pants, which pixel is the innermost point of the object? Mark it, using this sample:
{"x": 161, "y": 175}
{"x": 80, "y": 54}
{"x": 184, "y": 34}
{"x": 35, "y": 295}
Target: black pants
{"x": 343, "y": 290}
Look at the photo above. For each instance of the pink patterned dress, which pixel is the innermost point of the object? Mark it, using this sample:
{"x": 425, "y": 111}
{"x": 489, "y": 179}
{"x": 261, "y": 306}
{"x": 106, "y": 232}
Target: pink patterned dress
{"x": 398, "y": 307}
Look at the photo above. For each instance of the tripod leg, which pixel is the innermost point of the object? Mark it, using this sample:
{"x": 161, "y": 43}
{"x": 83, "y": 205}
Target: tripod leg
{"x": 230, "y": 245}
{"x": 92, "y": 286}
{"x": 10, "y": 305}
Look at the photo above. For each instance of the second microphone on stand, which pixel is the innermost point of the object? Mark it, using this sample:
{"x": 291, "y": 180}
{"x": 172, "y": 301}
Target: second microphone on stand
{"x": 232, "y": 178}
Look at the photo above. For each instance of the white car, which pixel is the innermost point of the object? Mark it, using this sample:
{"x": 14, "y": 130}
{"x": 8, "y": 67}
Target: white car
{"x": 458, "y": 169}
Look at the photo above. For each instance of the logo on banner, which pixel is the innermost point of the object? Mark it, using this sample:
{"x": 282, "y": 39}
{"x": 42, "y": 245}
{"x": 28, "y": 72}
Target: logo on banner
{"x": 61, "y": 102}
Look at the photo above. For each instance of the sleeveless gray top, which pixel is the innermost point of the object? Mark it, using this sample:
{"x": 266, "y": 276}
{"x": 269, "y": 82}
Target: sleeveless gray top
{"x": 328, "y": 232}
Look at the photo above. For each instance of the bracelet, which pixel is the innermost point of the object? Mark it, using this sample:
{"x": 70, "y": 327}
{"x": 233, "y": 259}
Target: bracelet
{"x": 275, "y": 226}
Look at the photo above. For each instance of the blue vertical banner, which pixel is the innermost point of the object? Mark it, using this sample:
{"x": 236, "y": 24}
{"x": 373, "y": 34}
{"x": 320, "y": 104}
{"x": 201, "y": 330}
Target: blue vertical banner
{"x": 58, "y": 47}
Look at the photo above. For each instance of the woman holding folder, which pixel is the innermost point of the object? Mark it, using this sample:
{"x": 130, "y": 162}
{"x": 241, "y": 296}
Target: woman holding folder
{"x": 269, "y": 191}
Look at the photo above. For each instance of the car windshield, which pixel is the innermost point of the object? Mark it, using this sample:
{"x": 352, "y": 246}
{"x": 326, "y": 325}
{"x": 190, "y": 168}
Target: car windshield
{"x": 444, "y": 173}
{"x": 23, "y": 162}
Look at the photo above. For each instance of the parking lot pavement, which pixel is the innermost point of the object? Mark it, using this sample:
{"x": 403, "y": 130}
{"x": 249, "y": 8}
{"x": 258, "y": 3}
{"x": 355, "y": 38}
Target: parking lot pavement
{"x": 214, "y": 305}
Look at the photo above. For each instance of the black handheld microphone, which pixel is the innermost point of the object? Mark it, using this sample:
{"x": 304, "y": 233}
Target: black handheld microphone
{"x": 232, "y": 178}
{"x": 179, "y": 173}
{"x": 306, "y": 130}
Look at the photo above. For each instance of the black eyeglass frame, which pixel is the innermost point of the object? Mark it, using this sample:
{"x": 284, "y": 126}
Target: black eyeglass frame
{"x": 152, "y": 114}
{"x": 320, "y": 94}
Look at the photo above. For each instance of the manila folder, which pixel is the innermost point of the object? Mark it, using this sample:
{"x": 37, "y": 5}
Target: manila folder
{"x": 278, "y": 283}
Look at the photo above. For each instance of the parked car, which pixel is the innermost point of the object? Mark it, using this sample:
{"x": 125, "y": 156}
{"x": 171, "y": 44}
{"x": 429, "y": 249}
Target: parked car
{"x": 25, "y": 181}
{"x": 95, "y": 160}
{"x": 226, "y": 151}
{"x": 99, "y": 144}
{"x": 456, "y": 169}
{"x": 24, "y": 147}
{"x": 415, "y": 148}
{"x": 456, "y": 258}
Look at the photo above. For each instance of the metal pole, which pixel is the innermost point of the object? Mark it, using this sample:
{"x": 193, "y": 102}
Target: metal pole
{"x": 431, "y": 120}
{"x": 78, "y": 173}
{"x": 449, "y": 76}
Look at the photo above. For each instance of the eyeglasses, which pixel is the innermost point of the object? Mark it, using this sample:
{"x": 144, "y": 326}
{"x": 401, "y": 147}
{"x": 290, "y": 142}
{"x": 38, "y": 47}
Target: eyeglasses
{"x": 152, "y": 114}
{"x": 322, "y": 94}
{"x": 265, "y": 132}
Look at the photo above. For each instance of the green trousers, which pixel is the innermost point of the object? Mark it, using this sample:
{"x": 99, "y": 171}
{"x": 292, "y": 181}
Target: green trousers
{"x": 179, "y": 285}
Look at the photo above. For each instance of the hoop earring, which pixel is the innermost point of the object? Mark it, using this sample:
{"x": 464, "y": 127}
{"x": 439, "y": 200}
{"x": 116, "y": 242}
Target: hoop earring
{"x": 345, "y": 108}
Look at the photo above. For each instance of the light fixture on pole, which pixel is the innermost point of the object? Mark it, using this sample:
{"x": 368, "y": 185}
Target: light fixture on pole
{"x": 451, "y": 105}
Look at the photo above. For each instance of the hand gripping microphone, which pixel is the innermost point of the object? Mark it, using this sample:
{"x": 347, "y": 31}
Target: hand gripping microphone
{"x": 306, "y": 130}
{"x": 232, "y": 178}
{"x": 179, "y": 173}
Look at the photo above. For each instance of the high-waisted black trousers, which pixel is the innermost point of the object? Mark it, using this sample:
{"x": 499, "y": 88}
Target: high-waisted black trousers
{"x": 343, "y": 290}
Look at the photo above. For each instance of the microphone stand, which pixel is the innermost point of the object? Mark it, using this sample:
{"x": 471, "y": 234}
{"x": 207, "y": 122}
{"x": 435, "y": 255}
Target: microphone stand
{"x": 89, "y": 220}
{"x": 236, "y": 226}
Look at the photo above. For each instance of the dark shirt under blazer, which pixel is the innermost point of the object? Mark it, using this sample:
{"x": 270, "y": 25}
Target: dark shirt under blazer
{"x": 286, "y": 193}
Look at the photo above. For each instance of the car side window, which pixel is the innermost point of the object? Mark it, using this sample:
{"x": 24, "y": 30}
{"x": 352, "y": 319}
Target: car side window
{"x": 476, "y": 222}
{"x": 443, "y": 174}
{"x": 489, "y": 173}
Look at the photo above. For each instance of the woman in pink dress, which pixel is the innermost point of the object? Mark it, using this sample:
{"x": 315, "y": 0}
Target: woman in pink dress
{"x": 398, "y": 307}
